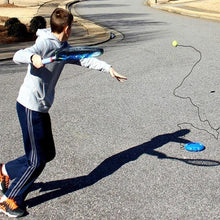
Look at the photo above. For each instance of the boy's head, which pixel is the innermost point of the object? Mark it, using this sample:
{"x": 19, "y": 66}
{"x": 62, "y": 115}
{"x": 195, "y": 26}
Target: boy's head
{"x": 60, "y": 19}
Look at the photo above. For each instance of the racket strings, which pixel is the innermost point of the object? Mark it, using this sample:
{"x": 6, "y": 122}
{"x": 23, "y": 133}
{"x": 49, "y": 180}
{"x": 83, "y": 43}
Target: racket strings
{"x": 191, "y": 101}
{"x": 75, "y": 53}
{"x": 79, "y": 56}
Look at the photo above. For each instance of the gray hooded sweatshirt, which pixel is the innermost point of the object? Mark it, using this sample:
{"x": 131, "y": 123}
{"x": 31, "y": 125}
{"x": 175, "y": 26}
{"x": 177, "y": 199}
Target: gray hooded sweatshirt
{"x": 38, "y": 89}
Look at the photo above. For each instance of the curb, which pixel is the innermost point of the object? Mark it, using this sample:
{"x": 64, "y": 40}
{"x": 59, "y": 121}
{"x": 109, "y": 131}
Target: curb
{"x": 96, "y": 34}
{"x": 95, "y": 31}
{"x": 191, "y": 13}
{"x": 186, "y": 11}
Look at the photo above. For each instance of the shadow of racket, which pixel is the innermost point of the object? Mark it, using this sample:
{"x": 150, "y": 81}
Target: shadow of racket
{"x": 197, "y": 162}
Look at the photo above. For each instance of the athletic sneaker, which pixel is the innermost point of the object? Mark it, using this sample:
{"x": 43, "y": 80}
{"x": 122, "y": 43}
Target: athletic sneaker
{"x": 4, "y": 181}
{"x": 11, "y": 209}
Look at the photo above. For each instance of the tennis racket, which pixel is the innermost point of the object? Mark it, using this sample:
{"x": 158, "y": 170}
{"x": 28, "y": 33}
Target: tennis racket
{"x": 74, "y": 53}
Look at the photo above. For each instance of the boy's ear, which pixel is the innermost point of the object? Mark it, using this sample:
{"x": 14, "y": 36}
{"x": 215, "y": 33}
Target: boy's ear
{"x": 66, "y": 29}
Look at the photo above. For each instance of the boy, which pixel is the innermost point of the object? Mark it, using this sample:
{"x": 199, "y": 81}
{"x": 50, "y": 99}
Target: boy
{"x": 35, "y": 98}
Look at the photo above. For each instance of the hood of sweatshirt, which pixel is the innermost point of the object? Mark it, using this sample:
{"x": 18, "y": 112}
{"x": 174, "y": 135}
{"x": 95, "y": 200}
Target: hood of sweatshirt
{"x": 47, "y": 38}
{"x": 46, "y": 33}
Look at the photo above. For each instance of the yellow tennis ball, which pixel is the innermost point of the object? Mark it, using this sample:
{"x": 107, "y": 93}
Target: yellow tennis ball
{"x": 175, "y": 43}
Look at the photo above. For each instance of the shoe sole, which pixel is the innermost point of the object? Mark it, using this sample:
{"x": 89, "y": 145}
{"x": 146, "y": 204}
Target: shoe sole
{"x": 10, "y": 215}
{"x": 1, "y": 190}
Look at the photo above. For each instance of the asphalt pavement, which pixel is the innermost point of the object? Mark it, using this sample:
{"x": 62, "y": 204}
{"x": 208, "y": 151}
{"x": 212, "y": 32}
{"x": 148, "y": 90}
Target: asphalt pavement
{"x": 120, "y": 152}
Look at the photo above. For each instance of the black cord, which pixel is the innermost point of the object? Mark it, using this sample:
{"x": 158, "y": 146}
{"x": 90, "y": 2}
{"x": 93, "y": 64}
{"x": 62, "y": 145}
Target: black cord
{"x": 190, "y": 99}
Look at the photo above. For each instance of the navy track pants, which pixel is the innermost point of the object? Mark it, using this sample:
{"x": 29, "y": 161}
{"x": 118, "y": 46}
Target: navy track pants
{"x": 39, "y": 149}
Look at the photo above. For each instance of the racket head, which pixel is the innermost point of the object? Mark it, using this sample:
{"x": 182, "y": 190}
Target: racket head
{"x": 78, "y": 52}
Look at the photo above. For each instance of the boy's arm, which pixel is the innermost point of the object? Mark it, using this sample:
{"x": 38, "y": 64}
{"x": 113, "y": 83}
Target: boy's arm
{"x": 116, "y": 75}
{"x": 94, "y": 63}
{"x": 23, "y": 56}
{"x": 30, "y": 55}
{"x": 27, "y": 56}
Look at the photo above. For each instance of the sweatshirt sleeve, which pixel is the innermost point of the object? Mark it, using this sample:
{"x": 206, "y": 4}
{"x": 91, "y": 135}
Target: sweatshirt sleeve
{"x": 24, "y": 55}
{"x": 96, "y": 64}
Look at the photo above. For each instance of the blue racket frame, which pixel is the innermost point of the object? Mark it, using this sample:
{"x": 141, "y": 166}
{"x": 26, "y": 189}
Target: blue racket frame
{"x": 74, "y": 53}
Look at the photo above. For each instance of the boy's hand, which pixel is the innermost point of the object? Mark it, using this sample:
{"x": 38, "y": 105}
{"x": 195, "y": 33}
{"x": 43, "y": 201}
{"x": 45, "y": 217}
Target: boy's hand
{"x": 37, "y": 61}
{"x": 116, "y": 75}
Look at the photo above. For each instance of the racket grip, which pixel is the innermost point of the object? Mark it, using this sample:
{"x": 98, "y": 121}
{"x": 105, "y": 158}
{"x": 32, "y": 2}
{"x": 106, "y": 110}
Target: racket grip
{"x": 48, "y": 60}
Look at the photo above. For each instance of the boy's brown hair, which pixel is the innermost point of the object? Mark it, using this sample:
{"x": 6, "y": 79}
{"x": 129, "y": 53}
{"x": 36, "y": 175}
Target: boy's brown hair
{"x": 59, "y": 19}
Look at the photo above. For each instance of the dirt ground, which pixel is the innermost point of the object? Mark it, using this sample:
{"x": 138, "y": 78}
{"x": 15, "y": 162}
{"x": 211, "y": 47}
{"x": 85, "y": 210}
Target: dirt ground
{"x": 4, "y": 38}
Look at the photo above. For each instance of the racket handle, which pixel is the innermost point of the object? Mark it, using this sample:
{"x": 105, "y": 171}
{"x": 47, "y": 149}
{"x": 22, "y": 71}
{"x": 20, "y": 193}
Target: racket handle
{"x": 48, "y": 60}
